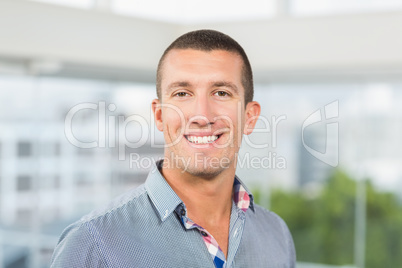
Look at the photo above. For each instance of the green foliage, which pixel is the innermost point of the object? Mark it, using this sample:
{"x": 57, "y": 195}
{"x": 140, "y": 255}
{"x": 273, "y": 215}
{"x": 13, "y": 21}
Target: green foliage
{"x": 384, "y": 229}
{"x": 323, "y": 224}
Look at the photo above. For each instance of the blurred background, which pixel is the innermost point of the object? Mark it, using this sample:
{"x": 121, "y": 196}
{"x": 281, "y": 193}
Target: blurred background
{"x": 328, "y": 74}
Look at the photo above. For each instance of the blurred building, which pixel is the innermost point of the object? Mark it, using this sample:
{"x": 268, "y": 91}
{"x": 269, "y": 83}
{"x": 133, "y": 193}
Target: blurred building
{"x": 44, "y": 179}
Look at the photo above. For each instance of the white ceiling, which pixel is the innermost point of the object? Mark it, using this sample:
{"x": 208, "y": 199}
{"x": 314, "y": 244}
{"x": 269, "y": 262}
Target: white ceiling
{"x": 45, "y": 38}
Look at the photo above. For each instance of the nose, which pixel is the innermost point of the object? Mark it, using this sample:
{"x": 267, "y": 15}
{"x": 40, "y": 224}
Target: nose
{"x": 203, "y": 113}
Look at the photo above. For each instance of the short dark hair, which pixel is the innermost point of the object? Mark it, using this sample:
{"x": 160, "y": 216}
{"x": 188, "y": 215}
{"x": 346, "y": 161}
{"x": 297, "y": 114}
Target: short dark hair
{"x": 208, "y": 40}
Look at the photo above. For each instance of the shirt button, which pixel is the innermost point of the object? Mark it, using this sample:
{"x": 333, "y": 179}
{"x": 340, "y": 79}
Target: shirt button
{"x": 183, "y": 212}
{"x": 204, "y": 233}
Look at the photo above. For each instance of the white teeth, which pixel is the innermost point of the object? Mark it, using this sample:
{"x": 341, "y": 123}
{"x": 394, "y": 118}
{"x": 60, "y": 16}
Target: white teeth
{"x": 202, "y": 140}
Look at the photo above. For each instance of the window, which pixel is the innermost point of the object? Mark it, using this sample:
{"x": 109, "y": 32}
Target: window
{"x": 84, "y": 4}
{"x": 82, "y": 179}
{"x": 181, "y": 11}
{"x": 24, "y": 183}
{"x": 24, "y": 149}
{"x": 50, "y": 182}
{"x": 50, "y": 149}
{"x": 321, "y": 7}
{"x": 24, "y": 216}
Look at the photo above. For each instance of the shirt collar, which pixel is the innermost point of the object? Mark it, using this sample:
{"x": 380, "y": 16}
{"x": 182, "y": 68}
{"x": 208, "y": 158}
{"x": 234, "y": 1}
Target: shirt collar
{"x": 165, "y": 200}
{"x": 161, "y": 194}
{"x": 242, "y": 197}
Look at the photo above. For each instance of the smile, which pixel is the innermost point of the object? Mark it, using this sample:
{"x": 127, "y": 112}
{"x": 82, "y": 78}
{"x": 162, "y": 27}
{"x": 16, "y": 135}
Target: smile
{"x": 202, "y": 140}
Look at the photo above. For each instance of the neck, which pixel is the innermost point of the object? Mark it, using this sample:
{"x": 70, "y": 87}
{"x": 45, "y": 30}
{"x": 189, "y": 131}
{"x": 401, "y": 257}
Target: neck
{"x": 208, "y": 200}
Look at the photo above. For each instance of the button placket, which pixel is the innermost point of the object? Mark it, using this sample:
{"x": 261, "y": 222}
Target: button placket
{"x": 235, "y": 237}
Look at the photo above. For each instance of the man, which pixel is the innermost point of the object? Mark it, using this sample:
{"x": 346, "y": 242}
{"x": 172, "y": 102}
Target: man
{"x": 192, "y": 210}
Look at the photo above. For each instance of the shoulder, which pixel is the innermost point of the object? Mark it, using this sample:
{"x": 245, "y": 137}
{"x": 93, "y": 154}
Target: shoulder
{"x": 267, "y": 217}
{"x": 133, "y": 202}
{"x": 271, "y": 230}
{"x": 269, "y": 221}
{"x": 119, "y": 204}
{"x": 80, "y": 242}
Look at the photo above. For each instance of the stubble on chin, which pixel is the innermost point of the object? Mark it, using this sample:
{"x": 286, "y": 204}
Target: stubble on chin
{"x": 199, "y": 164}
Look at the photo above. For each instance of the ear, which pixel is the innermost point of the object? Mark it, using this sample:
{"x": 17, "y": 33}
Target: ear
{"x": 157, "y": 111}
{"x": 252, "y": 112}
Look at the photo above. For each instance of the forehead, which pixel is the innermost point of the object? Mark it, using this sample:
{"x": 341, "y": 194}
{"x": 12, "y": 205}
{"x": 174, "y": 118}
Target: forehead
{"x": 189, "y": 54}
{"x": 192, "y": 64}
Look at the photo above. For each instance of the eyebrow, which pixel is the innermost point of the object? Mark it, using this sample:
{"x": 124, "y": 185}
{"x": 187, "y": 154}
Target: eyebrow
{"x": 226, "y": 84}
{"x": 178, "y": 84}
{"x": 212, "y": 84}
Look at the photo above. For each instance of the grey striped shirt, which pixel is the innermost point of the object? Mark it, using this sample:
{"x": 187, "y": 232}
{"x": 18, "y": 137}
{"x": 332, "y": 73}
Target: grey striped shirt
{"x": 142, "y": 228}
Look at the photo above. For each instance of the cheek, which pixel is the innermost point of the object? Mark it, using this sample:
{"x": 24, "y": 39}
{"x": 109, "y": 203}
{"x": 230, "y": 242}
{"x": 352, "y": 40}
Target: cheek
{"x": 235, "y": 117}
{"x": 173, "y": 117}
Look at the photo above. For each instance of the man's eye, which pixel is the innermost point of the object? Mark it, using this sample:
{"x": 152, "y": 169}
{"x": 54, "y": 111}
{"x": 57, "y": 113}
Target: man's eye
{"x": 222, "y": 93}
{"x": 181, "y": 94}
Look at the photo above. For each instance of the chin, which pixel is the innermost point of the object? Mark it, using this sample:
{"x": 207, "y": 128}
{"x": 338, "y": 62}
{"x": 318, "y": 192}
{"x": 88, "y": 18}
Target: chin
{"x": 206, "y": 169}
{"x": 204, "y": 173}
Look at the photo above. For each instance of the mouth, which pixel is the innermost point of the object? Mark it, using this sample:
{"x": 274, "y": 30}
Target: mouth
{"x": 202, "y": 139}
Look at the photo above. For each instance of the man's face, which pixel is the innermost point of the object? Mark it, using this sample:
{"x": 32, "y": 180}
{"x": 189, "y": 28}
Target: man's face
{"x": 202, "y": 112}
